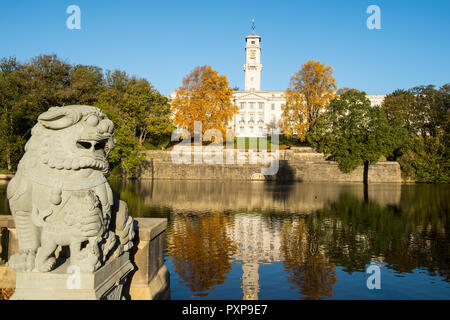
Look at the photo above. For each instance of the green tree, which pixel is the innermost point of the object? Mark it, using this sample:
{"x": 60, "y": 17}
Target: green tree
{"x": 86, "y": 83}
{"x": 137, "y": 110}
{"x": 48, "y": 82}
{"x": 428, "y": 112}
{"x": 399, "y": 106}
{"x": 140, "y": 113}
{"x": 12, "y": 111}
{"x": 424, "y": 112}
{"x": 343, "y": 90}
{"x": 353, "y": 132}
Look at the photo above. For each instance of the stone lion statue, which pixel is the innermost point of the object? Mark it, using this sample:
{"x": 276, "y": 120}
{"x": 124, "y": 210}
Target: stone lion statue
{"x": 60, "y": 196}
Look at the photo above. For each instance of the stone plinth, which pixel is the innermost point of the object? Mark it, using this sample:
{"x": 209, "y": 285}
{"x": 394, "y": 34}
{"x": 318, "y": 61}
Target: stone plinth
{"x": 151, "y": 279}
{"x": 7, "y": 277}
{"x": 63, "y": 284}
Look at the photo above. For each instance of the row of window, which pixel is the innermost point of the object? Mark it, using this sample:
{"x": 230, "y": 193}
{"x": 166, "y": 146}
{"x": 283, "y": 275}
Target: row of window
{"x": 250, "y": 129}
{"x": 252, "y": 105}
{"x": 251, "y": 118}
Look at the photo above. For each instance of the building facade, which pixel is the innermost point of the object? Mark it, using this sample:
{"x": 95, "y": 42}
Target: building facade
{"x": 260, "y": 111}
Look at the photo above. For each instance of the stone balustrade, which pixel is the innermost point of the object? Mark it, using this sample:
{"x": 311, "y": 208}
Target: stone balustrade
{"x": 149, "y": 281}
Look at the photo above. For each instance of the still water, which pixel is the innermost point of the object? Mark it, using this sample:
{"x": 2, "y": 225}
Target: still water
{"x": 259, "y": 240}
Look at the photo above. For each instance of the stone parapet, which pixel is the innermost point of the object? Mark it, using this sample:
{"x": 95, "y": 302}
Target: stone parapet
{"x": 149, "y": 280}
{"x": 294, "y": 165}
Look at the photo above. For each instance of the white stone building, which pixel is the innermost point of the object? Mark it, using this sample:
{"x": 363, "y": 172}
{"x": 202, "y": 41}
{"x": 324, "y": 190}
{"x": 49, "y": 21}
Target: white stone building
{"x": 260, "y": 110}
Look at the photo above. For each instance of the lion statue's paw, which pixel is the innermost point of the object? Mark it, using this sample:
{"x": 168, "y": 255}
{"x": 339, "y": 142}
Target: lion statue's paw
{"x": 23, "y": 261}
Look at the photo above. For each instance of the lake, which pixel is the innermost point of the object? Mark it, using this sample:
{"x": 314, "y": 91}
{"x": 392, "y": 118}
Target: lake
{"x": 263, "y": 240}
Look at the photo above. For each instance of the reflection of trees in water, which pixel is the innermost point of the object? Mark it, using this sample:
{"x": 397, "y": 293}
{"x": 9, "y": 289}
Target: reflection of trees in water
{"x": 413, "y": 233}
{"x": 201, "y": 249}
{"x": 351, "y": 233}
{"x": 4, "y": 204}
{"x": 406, "y": 237}
{"x": 134, "y": 194}
{"x": 308, "y": 267}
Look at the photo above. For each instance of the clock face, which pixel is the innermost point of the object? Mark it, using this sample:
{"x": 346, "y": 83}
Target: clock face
{"x": 252, "y": 54}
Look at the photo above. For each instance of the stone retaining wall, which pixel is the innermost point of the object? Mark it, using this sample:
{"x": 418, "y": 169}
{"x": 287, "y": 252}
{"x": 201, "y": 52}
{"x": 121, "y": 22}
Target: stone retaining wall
{"x": 294, "y": 165}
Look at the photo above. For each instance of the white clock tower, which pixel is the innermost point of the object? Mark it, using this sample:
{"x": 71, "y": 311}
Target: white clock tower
{"x": 253, "y": 66}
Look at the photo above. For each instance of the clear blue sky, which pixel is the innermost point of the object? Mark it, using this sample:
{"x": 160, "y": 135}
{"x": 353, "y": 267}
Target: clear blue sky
{"x": 164, "y": 40}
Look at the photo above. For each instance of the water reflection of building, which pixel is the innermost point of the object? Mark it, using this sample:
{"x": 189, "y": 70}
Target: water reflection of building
{"x": 405, "y": 226}
{"x": 259, "y": 238}
{"x": 258, "y": 241}
{"x": 263, "y": 240}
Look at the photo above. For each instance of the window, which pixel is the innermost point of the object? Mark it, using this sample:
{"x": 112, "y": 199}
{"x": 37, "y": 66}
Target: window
{"x": 253, "y": 42}
{"x": 242, "y": 105}
{"x": 251, "y": 129}
{"x": 242, "y": 129}
{"x": 251, "y": 118}
{"x": 261, "y": 105}
{"x": 242, "y": 118}
{"x": 251, "y": 105}
{"x": 273, "y": 106}
{"x": 260, "y": 119}
{"x": 260, "y": 129}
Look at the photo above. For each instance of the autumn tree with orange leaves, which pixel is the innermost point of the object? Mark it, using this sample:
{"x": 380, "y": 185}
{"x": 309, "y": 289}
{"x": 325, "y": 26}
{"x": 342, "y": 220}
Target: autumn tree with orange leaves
{"x": 206, "y": 97}
{"x": 310, "y": 91}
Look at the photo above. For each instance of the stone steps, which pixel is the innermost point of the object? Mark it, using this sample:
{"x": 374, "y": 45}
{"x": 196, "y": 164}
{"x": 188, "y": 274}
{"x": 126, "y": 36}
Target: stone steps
{"x": 303, "y": 150}
{"x": 308, "y": 156}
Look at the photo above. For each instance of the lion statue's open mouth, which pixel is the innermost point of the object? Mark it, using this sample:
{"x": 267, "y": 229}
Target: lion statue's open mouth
{"x": 81, "y": 138}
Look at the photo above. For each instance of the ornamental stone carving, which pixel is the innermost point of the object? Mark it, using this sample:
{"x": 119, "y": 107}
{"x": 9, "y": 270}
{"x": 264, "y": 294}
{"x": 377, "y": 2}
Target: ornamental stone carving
{"x": 60, "y": 196}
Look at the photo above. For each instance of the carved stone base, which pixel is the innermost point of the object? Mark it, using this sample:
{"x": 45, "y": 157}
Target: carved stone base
{"x": 65, "y": 284}
{"x": 7, "y": 277}
{"x": 157, "y": 289}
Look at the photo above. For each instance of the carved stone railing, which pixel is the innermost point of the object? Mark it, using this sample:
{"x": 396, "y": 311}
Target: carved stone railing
{"x": 1, "y": 249}
{"x": 7, "y": 276}
{"x": 149, "y": 281}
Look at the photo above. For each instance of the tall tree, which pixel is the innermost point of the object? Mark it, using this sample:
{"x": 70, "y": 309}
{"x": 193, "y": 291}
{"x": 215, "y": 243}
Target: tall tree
{"x": 310, "y": 91}
{"x": 206, "y": 97}
{"x": 399, "y": 106}
{"x": 12, "y": 129}
{"x": 353, "y": 132}
{"x": 48, "y": 78}
{"x": 429, "y": 110}
{"x": 343, "y": 90}
{"x": 137, "y": 110}
{"x": 86, "y": 83}
{"x": 424, "y": 112}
